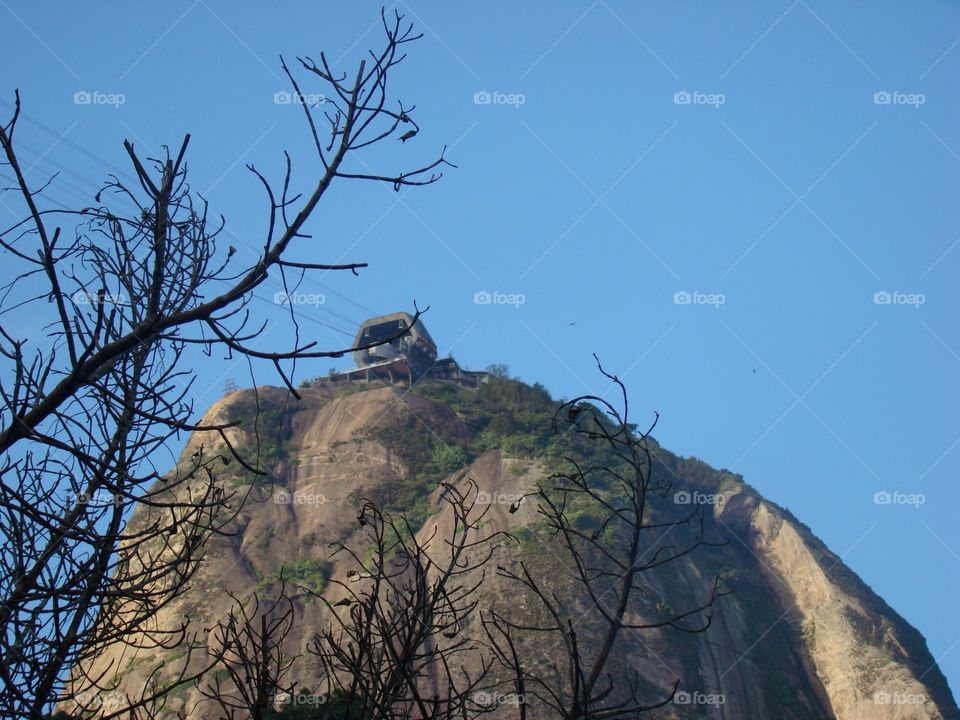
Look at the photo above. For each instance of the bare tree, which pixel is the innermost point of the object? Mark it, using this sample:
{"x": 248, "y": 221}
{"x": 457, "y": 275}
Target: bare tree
{"x": 397, "y": 644}
{"x": 413, "y": 636}
{"x": 607, "y": 559}
{"x": 250, "y": 658}
{"x": 87, "y": 404}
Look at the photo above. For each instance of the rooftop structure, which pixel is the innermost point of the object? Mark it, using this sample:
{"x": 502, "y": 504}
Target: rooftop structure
{"x": 410, "y": 356}
{"x": 416, "y": 347}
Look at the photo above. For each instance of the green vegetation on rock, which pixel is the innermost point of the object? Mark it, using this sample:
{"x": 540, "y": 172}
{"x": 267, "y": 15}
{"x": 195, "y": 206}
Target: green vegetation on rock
{"x": 306, "y": 572}
{"x": 269, "y": 427}
{"x": 503, "y": 414}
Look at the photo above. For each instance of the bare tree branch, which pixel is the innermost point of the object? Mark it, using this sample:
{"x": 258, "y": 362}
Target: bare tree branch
{"x": 88, "y": 401}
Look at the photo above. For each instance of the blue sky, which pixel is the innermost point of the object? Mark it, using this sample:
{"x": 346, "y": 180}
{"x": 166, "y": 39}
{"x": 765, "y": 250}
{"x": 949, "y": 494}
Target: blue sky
{"x": 776, "y": 164}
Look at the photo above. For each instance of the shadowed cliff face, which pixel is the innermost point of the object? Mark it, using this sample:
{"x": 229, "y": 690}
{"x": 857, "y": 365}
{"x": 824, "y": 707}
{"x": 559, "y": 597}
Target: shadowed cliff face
{"x": 800, "y": 636}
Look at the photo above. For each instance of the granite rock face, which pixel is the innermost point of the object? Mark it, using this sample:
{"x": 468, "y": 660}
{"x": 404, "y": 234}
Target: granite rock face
{"x": 801, "y": 636}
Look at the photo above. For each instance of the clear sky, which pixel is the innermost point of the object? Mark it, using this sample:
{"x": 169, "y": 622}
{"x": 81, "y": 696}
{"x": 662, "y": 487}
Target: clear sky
{"x": 777, "y": 164}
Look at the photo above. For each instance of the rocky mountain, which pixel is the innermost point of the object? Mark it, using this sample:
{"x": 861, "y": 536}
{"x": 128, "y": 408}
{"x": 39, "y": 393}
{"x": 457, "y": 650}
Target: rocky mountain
{"x": 799, "y": 636}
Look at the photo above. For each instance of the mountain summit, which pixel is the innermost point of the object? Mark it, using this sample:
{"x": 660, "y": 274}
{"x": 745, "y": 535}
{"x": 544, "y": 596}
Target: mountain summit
{"x": 799, "y": 635}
